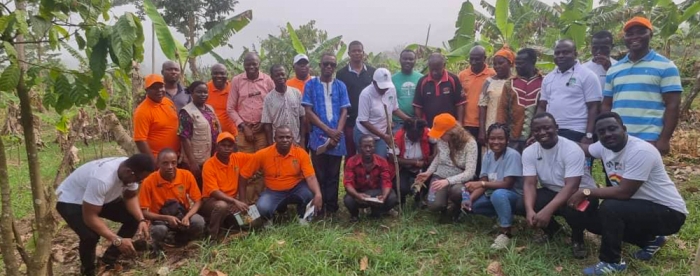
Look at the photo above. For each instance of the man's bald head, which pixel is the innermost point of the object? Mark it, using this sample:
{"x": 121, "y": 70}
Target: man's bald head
{"x": 478, "y": 49}
{"x": 219, "y": 75}
{"x": 251, "y": 56}
{"x": 436, "y": 65}
{"x": 436, "y": 57}
{"x": 477, "y": 59}
{"x": 170, "y": 71}
{"x": 218, "y": 67}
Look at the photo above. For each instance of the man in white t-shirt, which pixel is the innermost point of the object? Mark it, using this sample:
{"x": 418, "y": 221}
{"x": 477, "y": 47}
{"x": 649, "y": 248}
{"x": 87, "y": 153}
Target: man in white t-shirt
{"x": 642, "y": 205}
{"x": 105, "y": 188}
{"x": 557, "y": 164}
{"x": 601, "y": 46}
{"x": 371, "y": 114}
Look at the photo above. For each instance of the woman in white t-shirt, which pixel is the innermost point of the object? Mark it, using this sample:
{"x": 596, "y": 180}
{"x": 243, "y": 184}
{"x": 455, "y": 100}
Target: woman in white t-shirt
{"x": 500, "y": 184}
{"x": 454, "y": 165}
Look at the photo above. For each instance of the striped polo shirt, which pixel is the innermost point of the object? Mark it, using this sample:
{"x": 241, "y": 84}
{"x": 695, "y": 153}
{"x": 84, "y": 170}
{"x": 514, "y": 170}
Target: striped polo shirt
{"x": 636, "y": 89}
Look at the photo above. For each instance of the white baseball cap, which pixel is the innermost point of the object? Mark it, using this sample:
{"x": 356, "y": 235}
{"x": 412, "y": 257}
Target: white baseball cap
{"x": 299, "y": 57}
{"x": 383, "y": 78}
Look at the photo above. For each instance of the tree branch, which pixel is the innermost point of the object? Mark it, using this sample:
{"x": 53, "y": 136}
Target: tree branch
{"x": 18, "y": 242}
{"x": 45, "y": 41}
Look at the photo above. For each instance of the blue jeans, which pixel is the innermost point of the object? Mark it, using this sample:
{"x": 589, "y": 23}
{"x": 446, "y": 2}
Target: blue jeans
{"x": 270, "y": 200}
{"x": 396, "y": 126}
{"x": 379, "y": 144}
{"x": 501, "y": 204}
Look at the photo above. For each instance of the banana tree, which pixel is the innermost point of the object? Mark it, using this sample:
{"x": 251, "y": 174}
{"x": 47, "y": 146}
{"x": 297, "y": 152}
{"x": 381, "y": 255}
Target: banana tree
{"x": 217, "y": 36}
{"x": 330, "y": 45}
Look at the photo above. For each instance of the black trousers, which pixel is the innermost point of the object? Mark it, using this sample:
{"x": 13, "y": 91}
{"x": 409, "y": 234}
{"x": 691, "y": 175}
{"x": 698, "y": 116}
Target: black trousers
{"x": 406, "y": 179}
{"x": 474, "y": 131}
{"x": 327, "y": 169}
{"x": 354, "y": 205}
{"x": 634, "y": 221}
{"x": 578, "y": 221}
{"x": 114, "y": 211}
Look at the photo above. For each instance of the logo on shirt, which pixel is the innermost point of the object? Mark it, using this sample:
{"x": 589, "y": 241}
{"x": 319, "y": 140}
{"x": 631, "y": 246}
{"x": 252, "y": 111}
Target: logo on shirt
{"x": 254, "y": 93}
{"x": 614, "y": 179}
{"x": 446, "y": 90}
{"x": 613, "y": 166}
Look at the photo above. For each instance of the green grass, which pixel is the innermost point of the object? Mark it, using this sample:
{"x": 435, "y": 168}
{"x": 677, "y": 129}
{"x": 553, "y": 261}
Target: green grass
{"x": 413, "y": 244}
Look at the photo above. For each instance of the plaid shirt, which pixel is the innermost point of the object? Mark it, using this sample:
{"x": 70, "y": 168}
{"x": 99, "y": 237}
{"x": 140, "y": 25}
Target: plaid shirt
{"x": 357, "y": 177}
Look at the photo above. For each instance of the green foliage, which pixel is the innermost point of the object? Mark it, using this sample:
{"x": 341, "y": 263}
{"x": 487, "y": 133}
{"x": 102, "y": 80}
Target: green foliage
{"x": 218, "y": 35}
{"x": 9, "y": 78}
{"x": 296, "y": 43}
{"x": 465, "y": 26}
{"x": 172, "y": 49}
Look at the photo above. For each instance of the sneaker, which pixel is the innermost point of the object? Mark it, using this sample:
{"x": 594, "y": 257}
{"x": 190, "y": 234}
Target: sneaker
{"x": 268, "y": 224}
{"x": 648, "y": 251}
{"x": 324, "y": 147}
{"x": 603, "y": 268}
{"x": 579, "y": 250}
{"x": 501, "y": 242}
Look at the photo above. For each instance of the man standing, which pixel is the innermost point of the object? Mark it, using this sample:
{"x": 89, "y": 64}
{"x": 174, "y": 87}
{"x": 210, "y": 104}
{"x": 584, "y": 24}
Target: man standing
{"x": 165, "y": 200}
{"x": 558, "y": 165}
{"x": 641, "y": 207}
{"x": 601, "y": 46}
{"x": 375, "y": 101}
{"x": 289, "y": 177}
{"x": 155, "y": 120}
{"x": 219, "y": 88}
{"x": 572, "y": 94}
{"x": 301, "y": 73}
{"x": 518, "y": 102}
{"x": 356, "y": 76}
{"x": 104, "y": 188}
{"x": 173, "y": 89}
{"x": 438, "y": 92}
{"x": 366, "y": 177}
{"x": 644, "y": 88}
{"x": 245, "y": 104}
{"x": 472, "y": 80}
{"x": 282, "y": 107}
{"x": 405, "y": 82}
{"x": 326, "y": 103}
{"x": 220, "y": 190}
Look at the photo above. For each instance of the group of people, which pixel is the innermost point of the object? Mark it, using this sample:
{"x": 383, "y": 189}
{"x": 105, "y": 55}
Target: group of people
{"x": 481, "y": 142}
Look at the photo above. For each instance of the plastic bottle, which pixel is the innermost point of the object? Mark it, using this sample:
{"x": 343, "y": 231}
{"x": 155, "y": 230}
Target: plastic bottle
{"x": 431, "y": 195}
{"x": 465, "y": 197}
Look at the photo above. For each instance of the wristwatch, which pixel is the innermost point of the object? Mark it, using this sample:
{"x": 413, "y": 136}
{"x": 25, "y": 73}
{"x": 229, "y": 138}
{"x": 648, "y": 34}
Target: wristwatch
{"x": 117, "y": 241}
{"x": 586, "y": 192}
{"x": 589, "y": 135}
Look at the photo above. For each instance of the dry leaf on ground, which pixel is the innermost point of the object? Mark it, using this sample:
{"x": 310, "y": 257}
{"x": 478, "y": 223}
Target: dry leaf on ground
{"x": 520, "y": 249}
{"x": 207, "y": 272}
{"x": 282, "y": 242}
{"x": 432, "y": 232}
{"x": 163, "y": 271}
{"x": 558, "y": 268}
{"x": 495, "y": 269}
{"x": 364, "y": 262}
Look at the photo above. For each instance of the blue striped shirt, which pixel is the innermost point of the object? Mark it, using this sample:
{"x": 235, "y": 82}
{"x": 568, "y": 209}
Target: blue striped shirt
{"x": 636, "y": 89}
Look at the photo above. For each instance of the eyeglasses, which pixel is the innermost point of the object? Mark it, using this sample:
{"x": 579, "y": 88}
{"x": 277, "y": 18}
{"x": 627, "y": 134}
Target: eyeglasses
{"x": 331, "y": 64}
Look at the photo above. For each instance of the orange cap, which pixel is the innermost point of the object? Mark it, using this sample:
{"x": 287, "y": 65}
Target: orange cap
{"x": 153, "y": 79}
{"x": 441, "y": 124}
{"x": 225, "y": 135}
{"x": 638, "y": 21}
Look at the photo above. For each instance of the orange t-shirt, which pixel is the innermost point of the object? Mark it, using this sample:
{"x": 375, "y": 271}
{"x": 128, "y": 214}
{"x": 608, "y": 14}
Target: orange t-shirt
{"x": 157, "y": 124}
{"x": 281, "y": 173}
{"x": 217, "y": 100}
{"x": 472, "y": 85}
{"x": 222, "y": 177}
{"x": 298, "y": 84}
{"x": 155, "y": 190}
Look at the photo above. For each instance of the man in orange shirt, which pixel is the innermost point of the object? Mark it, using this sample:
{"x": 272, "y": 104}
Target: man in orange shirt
{"x": 301, "y": 72}
{"x": 219, "y": 87}
{"x": 220, "y": 175}
{"x": 155, "y": 120}
{"x": 472, "y": 80}
{"x": 165, "y": 200}
{"x": 289, "y": 177}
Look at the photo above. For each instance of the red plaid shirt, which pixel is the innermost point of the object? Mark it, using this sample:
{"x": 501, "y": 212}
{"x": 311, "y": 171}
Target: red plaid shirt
{"x": 357, "y": 177}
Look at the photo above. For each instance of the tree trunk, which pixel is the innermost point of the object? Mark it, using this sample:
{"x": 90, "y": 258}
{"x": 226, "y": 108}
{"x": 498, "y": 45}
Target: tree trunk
{"x": 42, "y": 198}
{"x": 190, "y": 41}
{"x": 7, "y": 244}
{"x": 688, "y": 102}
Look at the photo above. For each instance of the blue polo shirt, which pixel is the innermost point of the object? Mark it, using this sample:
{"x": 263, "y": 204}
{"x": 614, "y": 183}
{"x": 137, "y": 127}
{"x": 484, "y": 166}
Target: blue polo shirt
{"x": 637, "y": 88}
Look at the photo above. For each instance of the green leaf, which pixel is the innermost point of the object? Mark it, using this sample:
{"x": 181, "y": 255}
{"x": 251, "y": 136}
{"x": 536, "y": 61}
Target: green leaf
{"x": 80, "y": 40}
{"x": 123, "y": 37}
{"x": 172, "y": 49}
{"x": 77, "y": 55}
{"x": 39, "y": 25}
{"x": 327, "y": 46}
{"x": 63, "y": 123}
{"x": 98, "y": 61}
{"x": 101, "y": 104}
{"x": 5, "y": 21}
{"x": 501, "y": 16}
{"x": 10, "y": 50}
{"x": 62, "y": 87}
{"x": 296, "y": 42}
{"x": 690, "y": 11}
{"x": 138, "y": 43}
{"x": 219, "y": 34}
{"x": 9, "y": 78}
{"x": 21, "y": 19}
{"x": 341, "y": 52}
{"x": 53, "y": 39}
{"x": 465, "y": 26}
